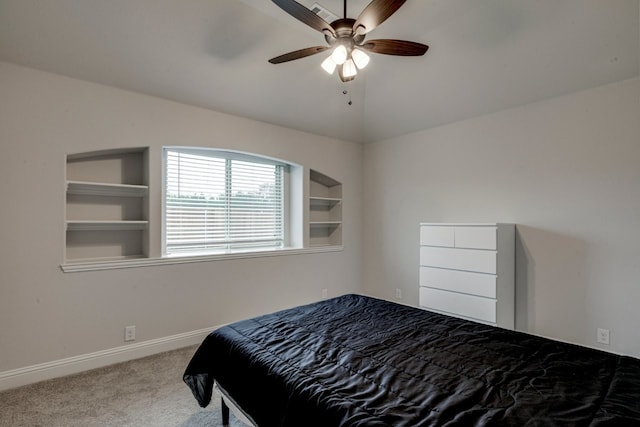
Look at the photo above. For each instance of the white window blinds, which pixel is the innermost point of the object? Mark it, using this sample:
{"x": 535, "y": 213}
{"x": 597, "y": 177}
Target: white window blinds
{"x": 222, "y": 201}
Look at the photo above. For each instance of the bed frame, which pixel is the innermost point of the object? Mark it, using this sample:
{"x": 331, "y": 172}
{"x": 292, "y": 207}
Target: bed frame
{"x": 227, "y": 405}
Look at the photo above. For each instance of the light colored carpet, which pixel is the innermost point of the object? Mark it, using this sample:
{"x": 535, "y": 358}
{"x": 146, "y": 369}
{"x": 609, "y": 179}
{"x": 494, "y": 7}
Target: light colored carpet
{"x": 143, "y": 392}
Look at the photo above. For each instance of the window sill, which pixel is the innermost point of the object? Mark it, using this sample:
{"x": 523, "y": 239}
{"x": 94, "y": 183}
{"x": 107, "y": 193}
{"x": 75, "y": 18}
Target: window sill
{"x": 98, "y": 264}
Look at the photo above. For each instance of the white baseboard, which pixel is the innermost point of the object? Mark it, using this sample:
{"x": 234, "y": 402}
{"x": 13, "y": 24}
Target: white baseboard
{"x": 73, "y": 365}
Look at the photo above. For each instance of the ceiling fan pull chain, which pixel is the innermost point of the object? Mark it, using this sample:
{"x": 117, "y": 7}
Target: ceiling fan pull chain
{"x": 346, "y": 92}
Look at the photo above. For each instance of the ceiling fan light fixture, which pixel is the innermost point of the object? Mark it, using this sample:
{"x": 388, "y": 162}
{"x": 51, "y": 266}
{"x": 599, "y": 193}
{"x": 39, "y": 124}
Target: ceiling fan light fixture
{"x": 360, "y": 58}
{"x": 339, "y": 54}
{"x": 328, "y": 65}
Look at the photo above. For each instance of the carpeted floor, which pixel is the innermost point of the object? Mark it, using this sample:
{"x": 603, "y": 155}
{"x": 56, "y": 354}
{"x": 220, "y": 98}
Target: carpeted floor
{"x": 143, "y": 392}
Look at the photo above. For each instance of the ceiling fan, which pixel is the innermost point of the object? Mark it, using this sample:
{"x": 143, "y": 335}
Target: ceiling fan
{"x": 347, "y": 37}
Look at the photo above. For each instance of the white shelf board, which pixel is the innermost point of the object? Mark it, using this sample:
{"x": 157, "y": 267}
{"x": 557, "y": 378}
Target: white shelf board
{"x": 113, "y": 259}
{"x": 324, "y": 201}
{"x": 322, "y": 179}
{"x": 91, "y": 225}
{"x": 92, "y": 264}
{"x": 325, "y": 224}
{"x": 327, "y": 246}
{"x": 86, "y": 188}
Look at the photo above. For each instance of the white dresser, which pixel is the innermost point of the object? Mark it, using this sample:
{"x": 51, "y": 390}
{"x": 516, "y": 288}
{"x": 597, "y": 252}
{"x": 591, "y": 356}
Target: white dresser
{"x": 468, "y": 271}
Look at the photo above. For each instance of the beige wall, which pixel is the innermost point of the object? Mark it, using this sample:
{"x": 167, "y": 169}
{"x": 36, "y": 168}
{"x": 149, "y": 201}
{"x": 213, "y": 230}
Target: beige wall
{"x": 566, "y": 171}
{"x": 47, "y": 315}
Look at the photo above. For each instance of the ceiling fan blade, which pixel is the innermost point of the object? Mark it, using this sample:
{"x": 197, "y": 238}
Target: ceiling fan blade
{"x": 297, "y": 54}
{"x": 303, "y": 14}
{"x": 375, "y": 14}
{"x": 395, "y": 47}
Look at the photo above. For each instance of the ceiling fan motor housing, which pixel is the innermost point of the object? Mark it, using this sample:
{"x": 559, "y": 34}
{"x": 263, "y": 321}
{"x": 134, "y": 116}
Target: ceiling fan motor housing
{"x": 344, "y": 32}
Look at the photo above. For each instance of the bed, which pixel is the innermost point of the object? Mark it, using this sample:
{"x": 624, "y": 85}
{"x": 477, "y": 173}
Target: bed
{"x": 359, "y": 361}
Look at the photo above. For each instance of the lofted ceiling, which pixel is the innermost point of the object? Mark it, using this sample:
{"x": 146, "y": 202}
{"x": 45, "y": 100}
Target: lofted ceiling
{"x": 484, "y": 56}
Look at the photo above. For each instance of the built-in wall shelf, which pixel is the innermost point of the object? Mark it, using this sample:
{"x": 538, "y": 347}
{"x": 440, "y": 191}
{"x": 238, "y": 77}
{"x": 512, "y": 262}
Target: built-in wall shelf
{"x": 90, "y": 225}
{"x": 319, "y": 224}
{"x": 84, "y": 188}
{"x": 321, "y": 202}
{"x": 106, "y": 206}
{"x": 80, "y": 264}
{"x": 325, "y": 210}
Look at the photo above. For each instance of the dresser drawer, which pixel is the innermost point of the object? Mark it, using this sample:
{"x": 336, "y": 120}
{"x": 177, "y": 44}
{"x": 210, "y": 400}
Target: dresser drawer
{"x": 479, "y": 308}
{"x": 479, "y": 284}
{"x": 437, "y": 236}
{"x": 476, "y": 237}
{"x": 459, "y": 259}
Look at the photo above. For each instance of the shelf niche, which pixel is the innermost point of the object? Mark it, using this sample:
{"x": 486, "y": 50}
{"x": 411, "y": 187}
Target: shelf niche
{"x": 107, "y": 205}
{"x": 325, "y": 210}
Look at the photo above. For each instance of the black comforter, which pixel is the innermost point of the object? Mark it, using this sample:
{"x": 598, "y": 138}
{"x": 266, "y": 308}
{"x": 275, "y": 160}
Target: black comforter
{"x": 358, "y": 361}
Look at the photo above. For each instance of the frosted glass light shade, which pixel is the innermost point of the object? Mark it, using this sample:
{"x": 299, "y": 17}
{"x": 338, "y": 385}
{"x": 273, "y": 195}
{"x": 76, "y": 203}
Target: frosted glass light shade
{"x": 360, "y": 58}
{"x": 328, "y": 65}
{"x": 349, "y": 69}
{"x": 339, "y": 55}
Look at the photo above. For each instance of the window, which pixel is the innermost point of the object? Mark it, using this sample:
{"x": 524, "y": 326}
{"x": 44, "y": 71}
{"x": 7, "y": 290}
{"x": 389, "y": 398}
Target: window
{"x": 217, "y": 201}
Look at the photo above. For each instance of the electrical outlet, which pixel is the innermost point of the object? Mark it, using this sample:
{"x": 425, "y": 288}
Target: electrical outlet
{"x": 325, "y": 293}
{"x": 129, "y": 333}
{"x": 398, "y": 293}
{"x": 603, "y": 336}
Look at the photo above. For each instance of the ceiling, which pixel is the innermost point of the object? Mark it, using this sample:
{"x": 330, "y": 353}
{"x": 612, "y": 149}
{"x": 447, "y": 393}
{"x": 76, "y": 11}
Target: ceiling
{"x": 484, "y": 56}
